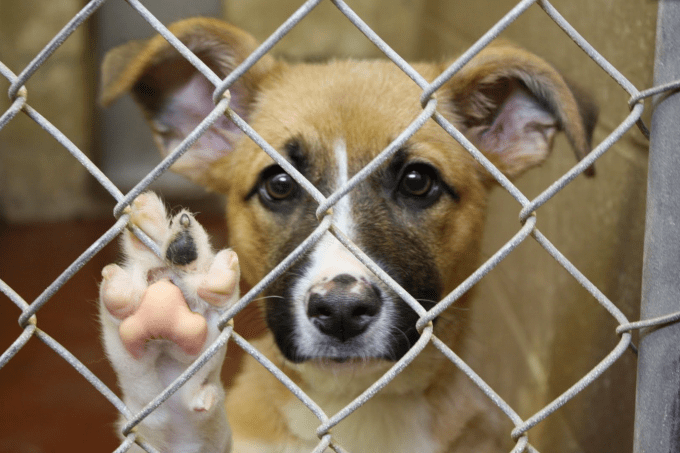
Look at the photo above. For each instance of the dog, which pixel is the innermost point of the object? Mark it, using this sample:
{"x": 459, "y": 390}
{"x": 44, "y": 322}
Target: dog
{"x": 333, "y": 327}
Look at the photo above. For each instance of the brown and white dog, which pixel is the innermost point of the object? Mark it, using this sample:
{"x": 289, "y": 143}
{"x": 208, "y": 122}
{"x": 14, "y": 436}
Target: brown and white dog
{"x": 333, "y": 326}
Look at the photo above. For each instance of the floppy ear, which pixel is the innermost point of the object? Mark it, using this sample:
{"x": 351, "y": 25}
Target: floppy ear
{"x": 175, "y": 97}
{"x": 510, "y": 103}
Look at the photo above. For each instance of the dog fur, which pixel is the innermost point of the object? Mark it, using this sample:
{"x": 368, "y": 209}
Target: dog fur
{"x": 419, "y": 217}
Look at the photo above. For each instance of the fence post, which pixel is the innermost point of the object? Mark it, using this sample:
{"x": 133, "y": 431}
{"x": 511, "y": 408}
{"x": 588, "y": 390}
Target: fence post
{"x": 657, "y": 418}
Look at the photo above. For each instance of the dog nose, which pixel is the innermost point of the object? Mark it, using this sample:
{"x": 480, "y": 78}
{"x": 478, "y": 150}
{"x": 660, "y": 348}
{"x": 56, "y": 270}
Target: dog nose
{"x": 343, "y": 307}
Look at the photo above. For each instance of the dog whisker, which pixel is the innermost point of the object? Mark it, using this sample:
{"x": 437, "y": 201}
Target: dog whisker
{"x": 267, "y": 297}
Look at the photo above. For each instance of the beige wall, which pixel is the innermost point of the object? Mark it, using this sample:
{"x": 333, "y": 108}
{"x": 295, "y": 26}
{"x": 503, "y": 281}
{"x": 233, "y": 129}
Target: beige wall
{"x": 39, "y": 180}
{"x": 542, "y": 328}
{"x": 538, "y": 330}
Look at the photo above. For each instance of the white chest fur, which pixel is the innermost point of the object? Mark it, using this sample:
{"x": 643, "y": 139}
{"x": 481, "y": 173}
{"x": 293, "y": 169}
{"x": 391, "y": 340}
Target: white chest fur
{"x": 385, "y": 423}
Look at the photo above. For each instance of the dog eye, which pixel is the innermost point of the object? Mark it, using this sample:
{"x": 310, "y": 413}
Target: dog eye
{"x": 277, "y": 185}
{"x": 416, "y": 182}
{"x": 420, "y": 182}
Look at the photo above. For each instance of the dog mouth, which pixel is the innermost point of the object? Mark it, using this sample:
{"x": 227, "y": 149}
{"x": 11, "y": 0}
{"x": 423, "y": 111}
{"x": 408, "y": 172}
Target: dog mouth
{"x": 343, "y": 359}
{"x": 326, "y": 351}
{"x": 356, "y": 366}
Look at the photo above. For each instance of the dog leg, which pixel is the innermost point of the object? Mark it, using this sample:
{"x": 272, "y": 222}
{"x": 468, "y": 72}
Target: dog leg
{"x": 158, "y": 315}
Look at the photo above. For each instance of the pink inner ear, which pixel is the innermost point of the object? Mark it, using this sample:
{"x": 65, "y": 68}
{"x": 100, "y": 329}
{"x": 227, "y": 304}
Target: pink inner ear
{"x": 183, "y": 111}
{"x": 521, "y": 133}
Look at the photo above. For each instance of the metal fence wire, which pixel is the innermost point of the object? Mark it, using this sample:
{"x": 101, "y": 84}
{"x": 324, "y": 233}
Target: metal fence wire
{"x": 528, "y": 226}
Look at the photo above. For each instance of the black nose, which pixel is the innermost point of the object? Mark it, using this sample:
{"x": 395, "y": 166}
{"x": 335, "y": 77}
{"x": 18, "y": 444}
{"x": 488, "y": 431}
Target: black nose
{"x": 343, "y": 307}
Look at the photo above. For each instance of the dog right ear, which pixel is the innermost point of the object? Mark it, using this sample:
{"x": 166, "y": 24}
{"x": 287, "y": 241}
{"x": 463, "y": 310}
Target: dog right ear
{"x": 510, "y": 104}
{"x": 175, "y": 97}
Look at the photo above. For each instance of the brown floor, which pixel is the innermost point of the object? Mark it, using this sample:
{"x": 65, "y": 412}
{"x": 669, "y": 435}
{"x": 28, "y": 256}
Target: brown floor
{"x": 45, "y": 405}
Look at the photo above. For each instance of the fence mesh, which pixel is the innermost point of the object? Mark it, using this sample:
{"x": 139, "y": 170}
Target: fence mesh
{"x": 528, "y": 225}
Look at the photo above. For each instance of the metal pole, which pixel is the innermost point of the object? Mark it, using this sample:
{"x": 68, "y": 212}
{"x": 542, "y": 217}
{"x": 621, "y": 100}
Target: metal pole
{"x": 657, "y": 417}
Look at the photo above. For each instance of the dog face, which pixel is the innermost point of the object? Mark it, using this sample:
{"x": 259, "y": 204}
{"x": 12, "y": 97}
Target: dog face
{"x": 419, "y": 217}
{"x": 424, "y": 198}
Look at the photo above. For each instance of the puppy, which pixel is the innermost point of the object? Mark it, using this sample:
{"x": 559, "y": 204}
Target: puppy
{"x": 333, "y": 326}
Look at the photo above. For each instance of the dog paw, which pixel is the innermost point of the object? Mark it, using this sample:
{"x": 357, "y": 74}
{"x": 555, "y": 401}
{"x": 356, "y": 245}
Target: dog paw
{"x": 167, "y": 297}
{"x": 160, "y": 311}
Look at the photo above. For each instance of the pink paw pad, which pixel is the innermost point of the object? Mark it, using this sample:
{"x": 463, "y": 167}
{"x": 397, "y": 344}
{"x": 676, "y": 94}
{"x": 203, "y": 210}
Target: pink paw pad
{"x": 163, "y": 314}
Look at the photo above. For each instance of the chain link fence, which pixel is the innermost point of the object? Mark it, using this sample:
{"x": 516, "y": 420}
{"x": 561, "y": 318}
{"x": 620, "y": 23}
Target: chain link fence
{"x": 527, "y": 229}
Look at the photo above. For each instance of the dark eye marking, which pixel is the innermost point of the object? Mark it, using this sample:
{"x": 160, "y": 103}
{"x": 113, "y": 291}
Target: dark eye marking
{"x": 275, "y": 187}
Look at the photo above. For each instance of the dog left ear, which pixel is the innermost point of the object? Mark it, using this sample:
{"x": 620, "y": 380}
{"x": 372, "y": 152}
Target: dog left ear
{"x": 510, "y": 103}
{"x": 175, "y": 97}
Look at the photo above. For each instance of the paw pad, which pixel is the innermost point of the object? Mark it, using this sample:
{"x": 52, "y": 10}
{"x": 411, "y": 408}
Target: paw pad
{"x": 163, "y": 314}
{"x": 182, "y": 248}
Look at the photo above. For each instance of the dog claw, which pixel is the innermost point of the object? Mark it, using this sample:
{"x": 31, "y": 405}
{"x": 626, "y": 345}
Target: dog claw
{"x": 205, "y": 398}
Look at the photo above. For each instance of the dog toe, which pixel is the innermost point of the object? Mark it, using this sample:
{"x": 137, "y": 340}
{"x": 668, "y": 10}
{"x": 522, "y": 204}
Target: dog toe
{"x": 148, "y": 213}
{"x": 118, "y": 292}
{"x": 220, "y": 284}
